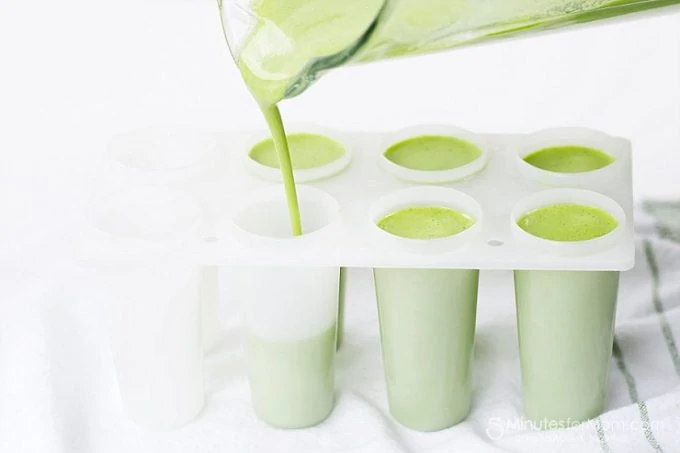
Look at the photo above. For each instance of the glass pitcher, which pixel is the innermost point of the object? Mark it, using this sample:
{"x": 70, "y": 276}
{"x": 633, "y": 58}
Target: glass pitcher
{"x": 282, "y": 46}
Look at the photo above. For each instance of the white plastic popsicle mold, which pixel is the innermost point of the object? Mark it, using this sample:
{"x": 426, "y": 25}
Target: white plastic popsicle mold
{"x": 152, "y": 300}
{"x": 244, "y": 210}
{"x": 174, "y": 156}
{"x": 495, "y": 191}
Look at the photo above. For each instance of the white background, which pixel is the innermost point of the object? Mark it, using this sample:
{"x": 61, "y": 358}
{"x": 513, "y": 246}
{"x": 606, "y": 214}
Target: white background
{"x": 73, "y": 72}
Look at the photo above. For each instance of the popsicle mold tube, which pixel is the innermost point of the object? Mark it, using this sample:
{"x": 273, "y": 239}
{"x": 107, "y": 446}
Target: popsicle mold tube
{"x": 290, "y": 315}
{"x": 565, "y": 320}
{"x": 427, "y": 320}
{"x": 152, "y": 308}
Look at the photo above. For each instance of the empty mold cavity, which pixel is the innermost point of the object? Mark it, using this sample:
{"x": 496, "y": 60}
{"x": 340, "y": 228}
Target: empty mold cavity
{"x": 265, "y": 213}
{"x": 147, "y": 212}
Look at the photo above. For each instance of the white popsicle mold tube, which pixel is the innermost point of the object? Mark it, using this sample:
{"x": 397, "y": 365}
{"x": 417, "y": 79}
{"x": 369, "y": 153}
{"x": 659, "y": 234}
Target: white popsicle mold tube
{"x": 438, "y": 176}
{"x": 152, "y": 292}
{"x": 290, "y": 312}
{"x": 571, "y": 136}
{"x": 179, "y": 156}
{"x": 301, "y": 175}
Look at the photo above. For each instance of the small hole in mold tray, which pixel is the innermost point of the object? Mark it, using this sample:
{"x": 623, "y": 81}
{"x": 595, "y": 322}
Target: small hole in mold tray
{"x": 433, "y": 154}
{"x": 495, "y": 242}
{"x": 316, "y": 154}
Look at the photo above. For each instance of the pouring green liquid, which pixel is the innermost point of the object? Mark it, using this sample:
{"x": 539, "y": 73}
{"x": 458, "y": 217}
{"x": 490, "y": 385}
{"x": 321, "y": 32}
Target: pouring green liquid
{"x": 292, "y": 42}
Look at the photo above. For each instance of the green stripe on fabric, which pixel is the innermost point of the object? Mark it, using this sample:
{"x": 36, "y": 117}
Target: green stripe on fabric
{"x": 601, "y": 437}
{"x": 632, "y": 391}
{"x": 666, "y": 218}
{"x": 658, "y": 306}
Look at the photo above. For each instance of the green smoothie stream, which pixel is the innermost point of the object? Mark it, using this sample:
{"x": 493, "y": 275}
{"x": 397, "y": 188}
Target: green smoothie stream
{"x": 427, "y": 326}
{"x": 565, "y": 322}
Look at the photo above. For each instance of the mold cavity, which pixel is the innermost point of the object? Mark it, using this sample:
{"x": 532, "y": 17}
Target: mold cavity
{"x": 567, "y": 222}
{"x": 162, "y": 149}
{"x": 432, "y": 153}
{"x": 147, "y": 212}
{"x": 425, "y": 222}
{"x": 495, "y": 242}
{"x": 569, "y": 159}
{"x": 307, "y": 151}
{"x": 268, "y": 215}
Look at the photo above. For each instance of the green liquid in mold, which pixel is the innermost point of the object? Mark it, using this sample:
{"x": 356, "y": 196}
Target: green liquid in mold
{"x": 426, "y": 222}
{"x": 432, "y": 153}
{"x": 307, "y": 151}
{"x": 292, "y": 382}
{"x": 569, "y": 159}
{"x": 568, "y": 222}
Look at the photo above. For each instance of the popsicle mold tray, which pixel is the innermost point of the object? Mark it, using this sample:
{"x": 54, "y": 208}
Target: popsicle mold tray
{"x": 244, "y": 217}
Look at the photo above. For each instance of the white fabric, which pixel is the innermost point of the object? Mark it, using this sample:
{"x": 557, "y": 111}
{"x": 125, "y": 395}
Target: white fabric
{"x": 58, "y": 391}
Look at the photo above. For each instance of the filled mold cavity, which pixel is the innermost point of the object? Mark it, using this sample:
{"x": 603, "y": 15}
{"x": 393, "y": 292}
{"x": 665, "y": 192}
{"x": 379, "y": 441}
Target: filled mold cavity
{"x": 568, "y": 220}
{"x": 425, "y": 219}
{"x": 569, "y": 156}
{"x": 315, "y": 154}
{"x": 434, "y": 154}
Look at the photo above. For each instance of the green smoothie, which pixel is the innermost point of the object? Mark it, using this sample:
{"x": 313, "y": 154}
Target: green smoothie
{"x": 432, "y": 153}
{"x": 426, "y": 222}
{"x": 568, "y": 222}
{"x": 565, "y": 322}
{"x": 569, "y": 159}
{"x": 427, "y": 329}
{"x": 427, "y": 325}
{"x": 307, "y": 151}
{"x": 292, "y": 382}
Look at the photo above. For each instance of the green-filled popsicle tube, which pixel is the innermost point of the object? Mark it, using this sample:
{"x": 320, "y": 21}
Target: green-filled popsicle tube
{"x": 565, "y": 323}
{"x": 427, "y": 324}
{"x": 427, "y": 327}
{"x": 565, "y": 319}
